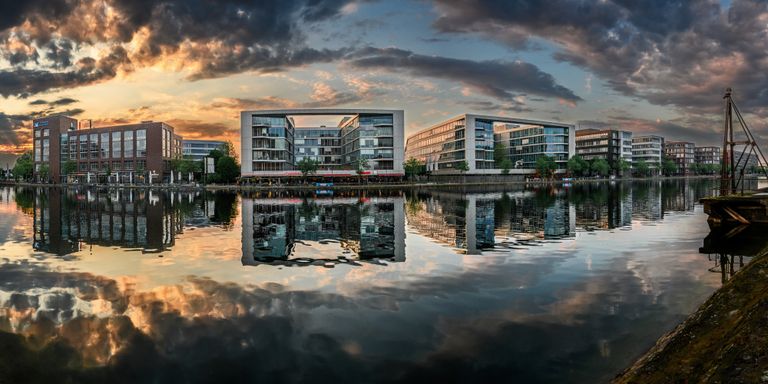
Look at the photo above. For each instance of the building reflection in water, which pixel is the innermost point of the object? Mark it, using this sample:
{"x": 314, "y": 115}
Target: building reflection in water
{"x": 150, "y": 220}
{"x": 729, "y": 249}
{"x": 601, "y": 205}
{"x": 322, "y": 231}
{"x": 475, "y": 222}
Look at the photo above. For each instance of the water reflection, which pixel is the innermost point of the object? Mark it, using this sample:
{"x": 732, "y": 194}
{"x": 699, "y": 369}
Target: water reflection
{"x": 473, "y": 285}
{"x": 729, "y": 249}
{"x": 473, "y": 222}
{"x": 65, "y": 219}
{"x": 324, "y": 231}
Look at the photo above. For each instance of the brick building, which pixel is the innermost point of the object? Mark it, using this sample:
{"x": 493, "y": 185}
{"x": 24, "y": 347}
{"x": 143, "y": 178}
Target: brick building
{"x": 122, "y": 153}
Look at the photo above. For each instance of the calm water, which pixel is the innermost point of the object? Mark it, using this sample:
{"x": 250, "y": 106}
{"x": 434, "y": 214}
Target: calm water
{"x": 518, "y": 285}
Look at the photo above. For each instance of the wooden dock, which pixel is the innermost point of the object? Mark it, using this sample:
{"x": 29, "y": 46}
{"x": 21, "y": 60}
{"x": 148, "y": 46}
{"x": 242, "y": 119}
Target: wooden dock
{"x": 737, "y": 210}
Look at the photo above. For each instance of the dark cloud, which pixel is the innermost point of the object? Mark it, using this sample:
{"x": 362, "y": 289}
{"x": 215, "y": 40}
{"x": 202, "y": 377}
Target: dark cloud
{"x": 240, "y": 104}
{"x": 63, "y": 101}
{"x": 502, "y": 80}
{"x": 23, "y": 83}
{"x": 231, "y": 37}
{"x": 10, "y": 127}
{"x": 489, "y": 106}
{"x": 669, "y": 52}
{"x": 701, "y": 130}
{"x": 58, "y": 102}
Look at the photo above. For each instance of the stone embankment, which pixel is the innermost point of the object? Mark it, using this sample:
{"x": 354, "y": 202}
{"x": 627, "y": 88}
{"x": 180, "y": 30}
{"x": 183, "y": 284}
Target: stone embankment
{"x": 724, "y": 341}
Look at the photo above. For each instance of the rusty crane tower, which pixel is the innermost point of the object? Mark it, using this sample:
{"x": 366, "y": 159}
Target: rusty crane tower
{"x": 732, "y": 169}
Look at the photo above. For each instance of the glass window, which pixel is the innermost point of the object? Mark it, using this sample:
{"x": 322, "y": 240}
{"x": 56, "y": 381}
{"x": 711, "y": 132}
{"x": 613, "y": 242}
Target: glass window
{"x": 117, "y": 141}
{"x": 141, "y": 143}
{"x": 128, "y": 145}
{"x": 104, "y": 145}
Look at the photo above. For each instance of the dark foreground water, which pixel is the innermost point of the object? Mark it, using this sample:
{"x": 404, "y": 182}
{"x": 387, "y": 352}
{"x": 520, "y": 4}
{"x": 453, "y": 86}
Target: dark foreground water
{"x": 519, "y": 285}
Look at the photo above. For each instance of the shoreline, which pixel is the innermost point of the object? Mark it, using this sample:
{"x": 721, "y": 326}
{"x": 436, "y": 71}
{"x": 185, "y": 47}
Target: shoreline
{"x": 372, "y": 186}
{"x": 724, "y": 340}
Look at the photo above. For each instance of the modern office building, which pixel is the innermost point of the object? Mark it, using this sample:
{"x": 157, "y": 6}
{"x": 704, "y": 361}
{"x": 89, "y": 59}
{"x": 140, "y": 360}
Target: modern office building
{"x": 707, "y": 155}
{"x": 471, "y": 138}
{"x": 682, "y": 154}
{"x": 607, "y": 144}
{"x": 199, "y": 149}
{"x": 649, "y": 149}
{"x": 121, "y": 152}
{"x": 272, "y": 144}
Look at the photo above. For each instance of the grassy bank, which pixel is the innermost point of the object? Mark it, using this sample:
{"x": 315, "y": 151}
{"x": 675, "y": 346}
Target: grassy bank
{"x": 724, "y": 341}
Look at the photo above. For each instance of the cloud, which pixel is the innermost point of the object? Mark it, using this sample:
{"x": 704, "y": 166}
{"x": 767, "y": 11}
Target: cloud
{"x": 23, "y": 83}
{"x": 671, "y": 53}
{"x": 323, "y": 96}
{"x": 502, "y": 80}
{"x": 58, "y": 102}
{"x": 11, "y": 128}
{"x": 232, "y": 37}
{"x": 196, "y": 129}
{"x": 489, "y": 106}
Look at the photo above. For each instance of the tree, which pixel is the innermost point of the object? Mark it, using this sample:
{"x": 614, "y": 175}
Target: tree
{"x": 696, "y": 169}
{"x": 361, "y": 165}
{"x": 577, "y": 166}
{"x": 624, "y": 165}
{"x": 232, "y": 168}
{"x": 463, "y": 166}
{"x": 500, "y": 153}
{"x": 546, "y": 166}
{"x": 413, "y": 167}
{"x": 228, "y": 149}
{"x": 600, "y": 167}
{"x": 668, "y": 167}
{"x": 505, "y": 165}
{"x": 641, "y": 168}
{"x": 24, "y": 167}
{"x": 43, "y": 172}
{"x": 68, "y": 167}
{"x": 227, "y": 169}
{"x": 308, "y": 166}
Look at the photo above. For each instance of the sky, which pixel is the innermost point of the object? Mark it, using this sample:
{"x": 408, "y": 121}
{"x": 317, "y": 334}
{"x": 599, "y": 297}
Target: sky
{"x": 651, "y": 67}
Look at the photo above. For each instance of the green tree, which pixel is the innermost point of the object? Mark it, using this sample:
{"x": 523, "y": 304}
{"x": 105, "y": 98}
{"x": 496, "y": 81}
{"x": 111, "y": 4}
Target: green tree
{"x": 24, "y": 167}
{"x": 413, "y": 167}
{"x": 577, "y": 166}
{"x": 227, "y": 169}
{"x": 600, "y": 167}
{"x": 308, "y": 166}
{"x": 624, "y": 165}
{"x": 68, "y": 167}
{"x": 228, "y": 149}
{"x": 668, "y": 167}
{"x": 463, "y": 166}
{"x": 43, "y": 172}
{"x": 505, "y": 165}
{"x": 361, "y": 165}
{"x": 546, "y": 166}
{"x": 500, "y": 153}
{"x": 641, "y": 168}
{"x": 696, "y": 169}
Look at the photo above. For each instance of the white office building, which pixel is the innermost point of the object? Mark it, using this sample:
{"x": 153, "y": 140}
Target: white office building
{"x": 272, "y": 143}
